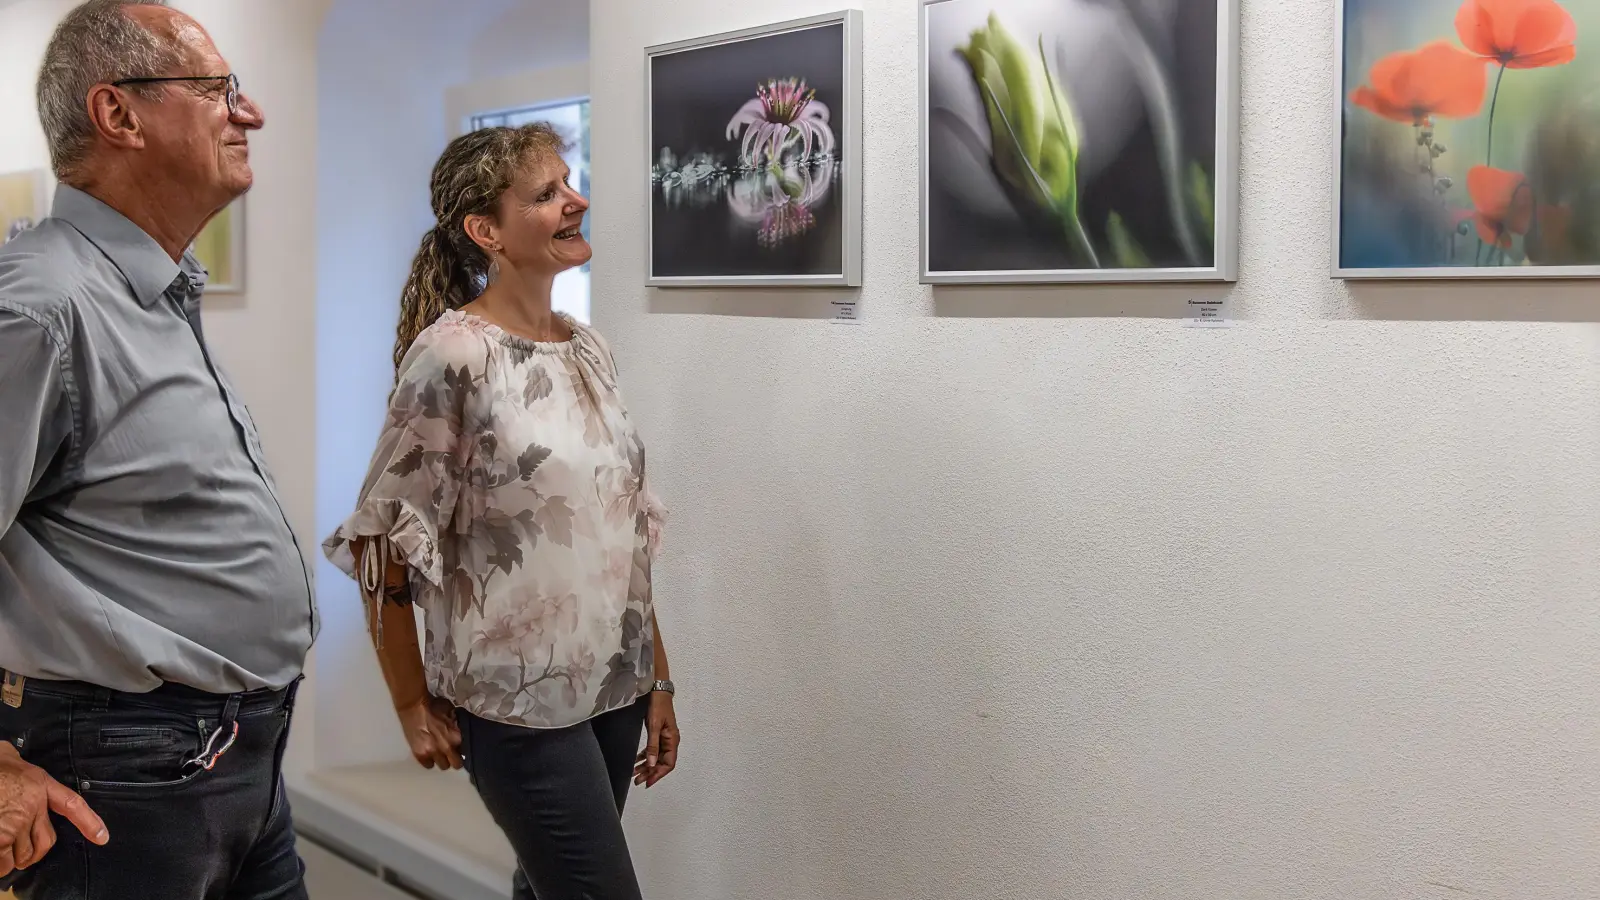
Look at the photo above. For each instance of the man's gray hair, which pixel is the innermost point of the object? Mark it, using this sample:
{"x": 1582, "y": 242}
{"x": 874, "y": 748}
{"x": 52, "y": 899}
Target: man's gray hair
{"x": 97, "y": 43}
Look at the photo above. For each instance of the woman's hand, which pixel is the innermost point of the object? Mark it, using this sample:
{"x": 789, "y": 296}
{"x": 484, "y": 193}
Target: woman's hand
{"x": 430, "y": 728}
{"x": 660, "y": 754}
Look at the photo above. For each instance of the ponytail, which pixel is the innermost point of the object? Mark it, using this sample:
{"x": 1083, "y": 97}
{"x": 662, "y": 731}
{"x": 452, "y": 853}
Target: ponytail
{"x": 444, "y": 275}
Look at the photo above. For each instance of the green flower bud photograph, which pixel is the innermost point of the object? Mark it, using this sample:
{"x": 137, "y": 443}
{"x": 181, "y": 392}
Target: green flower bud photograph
{"x": 1078, "y": 140}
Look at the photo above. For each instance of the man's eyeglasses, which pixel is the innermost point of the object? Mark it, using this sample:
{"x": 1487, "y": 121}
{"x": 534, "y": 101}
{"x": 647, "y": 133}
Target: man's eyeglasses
{"x": 232, "y": 83}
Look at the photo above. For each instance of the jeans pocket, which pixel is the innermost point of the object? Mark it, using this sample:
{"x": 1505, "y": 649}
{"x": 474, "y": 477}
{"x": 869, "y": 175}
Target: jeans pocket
{"x": 138, "y": 737}
{"x": 122, "y": 750}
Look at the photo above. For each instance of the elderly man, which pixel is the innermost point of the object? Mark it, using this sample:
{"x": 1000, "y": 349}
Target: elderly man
{"x": 155, "y": 610}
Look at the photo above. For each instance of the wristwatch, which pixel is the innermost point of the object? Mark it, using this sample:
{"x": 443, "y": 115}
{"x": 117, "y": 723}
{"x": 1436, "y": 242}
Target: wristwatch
{"x": 663, "y": 686}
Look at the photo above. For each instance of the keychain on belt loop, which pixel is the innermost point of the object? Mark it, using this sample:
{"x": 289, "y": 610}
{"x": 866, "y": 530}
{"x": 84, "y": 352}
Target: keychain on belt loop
{"x": 207, "y": 759}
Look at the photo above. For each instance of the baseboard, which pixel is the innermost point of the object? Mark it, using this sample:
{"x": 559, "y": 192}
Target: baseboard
{"x": 397, "y": 856}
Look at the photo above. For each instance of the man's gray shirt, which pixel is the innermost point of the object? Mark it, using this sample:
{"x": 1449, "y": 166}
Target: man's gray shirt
{"x": 141, "y": 538}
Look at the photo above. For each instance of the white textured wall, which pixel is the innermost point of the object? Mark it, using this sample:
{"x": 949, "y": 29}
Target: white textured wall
{"x": 24, "y": 30}
{"x": 531, "y": 35}
{"x": 262, "y": 337}
{"x": 1034, "y": 594}
{"x": 530, "y": 87}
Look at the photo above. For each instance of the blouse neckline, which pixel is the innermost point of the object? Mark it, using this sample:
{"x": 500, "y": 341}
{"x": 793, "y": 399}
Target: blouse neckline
{"x": 516, "y": 341}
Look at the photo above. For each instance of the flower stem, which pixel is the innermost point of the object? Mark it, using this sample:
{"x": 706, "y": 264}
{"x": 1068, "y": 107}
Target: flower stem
{"x": 1080, "y": 239}
{"x": 1488, "y": 156}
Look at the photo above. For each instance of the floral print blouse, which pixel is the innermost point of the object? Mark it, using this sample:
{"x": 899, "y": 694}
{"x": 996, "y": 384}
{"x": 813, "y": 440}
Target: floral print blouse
{"x": 511, "y": 482}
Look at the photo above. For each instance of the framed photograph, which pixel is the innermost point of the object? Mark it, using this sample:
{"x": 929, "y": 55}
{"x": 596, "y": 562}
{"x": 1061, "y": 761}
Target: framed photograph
{"x": 24, "y": 201}
{"x": 754, "y": 141}
{"x": 1079, "y": 140}
{"x": 1469, "y": 139}
{"x": 220, "y": 248}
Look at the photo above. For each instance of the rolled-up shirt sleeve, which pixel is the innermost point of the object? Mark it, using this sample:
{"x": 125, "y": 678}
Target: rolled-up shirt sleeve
{"x": 35, "y": 411}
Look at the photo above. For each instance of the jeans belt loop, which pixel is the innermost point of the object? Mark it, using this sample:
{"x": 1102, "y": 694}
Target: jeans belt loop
{"x": 221, "y": 740}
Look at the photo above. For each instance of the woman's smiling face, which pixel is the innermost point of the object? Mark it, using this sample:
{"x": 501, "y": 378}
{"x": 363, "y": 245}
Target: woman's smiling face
{"x": 540, "y": 218}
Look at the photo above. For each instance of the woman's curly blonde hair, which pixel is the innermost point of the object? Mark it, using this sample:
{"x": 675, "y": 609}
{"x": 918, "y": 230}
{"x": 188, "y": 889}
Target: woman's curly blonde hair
{"x": 475, "y": 170}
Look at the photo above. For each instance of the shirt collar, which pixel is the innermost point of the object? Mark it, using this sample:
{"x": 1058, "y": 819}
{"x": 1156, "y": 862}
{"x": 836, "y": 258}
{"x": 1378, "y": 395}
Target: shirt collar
{"x": 149, "y": 270}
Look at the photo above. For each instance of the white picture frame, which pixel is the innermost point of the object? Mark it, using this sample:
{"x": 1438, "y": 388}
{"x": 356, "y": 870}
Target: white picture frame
{"x": 1224, "y": 252}
{"x": 839, "y": 266}
{"x": 1341, "y": 92}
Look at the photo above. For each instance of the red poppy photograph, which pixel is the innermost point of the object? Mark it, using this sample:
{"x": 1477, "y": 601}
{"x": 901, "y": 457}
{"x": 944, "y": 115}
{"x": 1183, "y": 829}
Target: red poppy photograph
{"x": 1470, "y": 139}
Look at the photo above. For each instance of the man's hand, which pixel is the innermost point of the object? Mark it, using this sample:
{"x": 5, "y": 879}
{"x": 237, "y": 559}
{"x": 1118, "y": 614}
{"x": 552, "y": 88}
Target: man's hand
{"x": 27, "y": 797}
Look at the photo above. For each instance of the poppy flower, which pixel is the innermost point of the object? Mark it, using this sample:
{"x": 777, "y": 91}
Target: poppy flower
{"x": 1518, "y": 34}
{"x": 1439, "y": 79}
{"x": 1502, "y": 204}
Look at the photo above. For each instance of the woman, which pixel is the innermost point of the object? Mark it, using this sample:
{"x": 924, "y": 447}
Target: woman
{"x": 508, "y": 498}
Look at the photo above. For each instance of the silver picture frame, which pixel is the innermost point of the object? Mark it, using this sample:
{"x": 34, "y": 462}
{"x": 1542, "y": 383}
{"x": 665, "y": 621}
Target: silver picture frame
{"x": 849, "y": 143}
{"x": 1225, "y": 243}
{"x": 1412, "y": 273}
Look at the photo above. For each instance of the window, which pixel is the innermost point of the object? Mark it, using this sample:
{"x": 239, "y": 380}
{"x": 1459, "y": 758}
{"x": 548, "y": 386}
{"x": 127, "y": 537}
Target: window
{"x": 570, "y": 293}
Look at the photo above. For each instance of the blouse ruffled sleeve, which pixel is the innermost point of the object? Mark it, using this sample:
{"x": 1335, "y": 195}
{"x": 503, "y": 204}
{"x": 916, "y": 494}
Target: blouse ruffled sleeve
{"x": 416, "y": 472}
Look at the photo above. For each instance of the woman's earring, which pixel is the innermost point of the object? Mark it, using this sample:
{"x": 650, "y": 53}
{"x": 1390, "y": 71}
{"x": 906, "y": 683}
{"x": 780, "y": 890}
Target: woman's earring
{"x": 494, "y": 269}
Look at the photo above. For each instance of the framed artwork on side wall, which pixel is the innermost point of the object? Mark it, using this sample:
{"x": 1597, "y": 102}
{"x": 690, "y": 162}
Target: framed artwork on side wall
{"x": 24, "y": 201}
{"x": 1079, "y": 140}
{"x": 1469, "y": 140}
{"x": 220, "y": 248}
{"x": 754, "y": 143}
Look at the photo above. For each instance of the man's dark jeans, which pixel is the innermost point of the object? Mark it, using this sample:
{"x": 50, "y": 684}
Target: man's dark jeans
{"x": 188, "y": 784}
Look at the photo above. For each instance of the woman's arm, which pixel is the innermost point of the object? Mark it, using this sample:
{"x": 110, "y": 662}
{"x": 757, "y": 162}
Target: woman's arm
{"x": 428, "y": 723}
{"x": 663, "y": 673}
{"x": 660, "y": 754}
{"x": 394, "y": 632}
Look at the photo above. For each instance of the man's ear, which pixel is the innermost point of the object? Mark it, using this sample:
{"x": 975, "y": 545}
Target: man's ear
{"x": 113, "y": 120}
